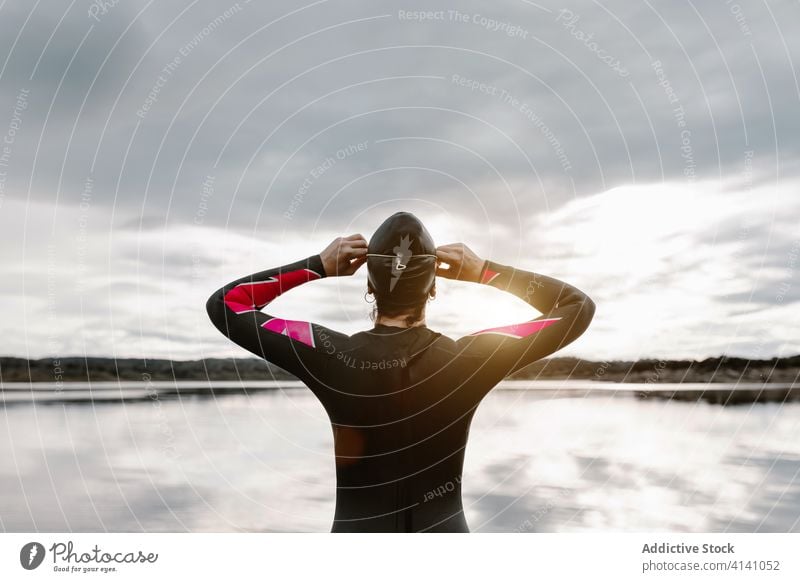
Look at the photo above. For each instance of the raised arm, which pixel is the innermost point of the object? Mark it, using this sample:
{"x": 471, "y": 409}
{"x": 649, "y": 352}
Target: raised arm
{"x": 236, "y": 308}
{"x": 566, "y": 310}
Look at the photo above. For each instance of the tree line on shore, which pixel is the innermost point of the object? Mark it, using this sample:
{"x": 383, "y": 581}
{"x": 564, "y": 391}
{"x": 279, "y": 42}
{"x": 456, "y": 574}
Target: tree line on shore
{"x": 95, "y": 369}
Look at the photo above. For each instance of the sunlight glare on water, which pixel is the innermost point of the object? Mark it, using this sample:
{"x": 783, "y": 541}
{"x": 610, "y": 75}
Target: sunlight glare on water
{"x": 535, "y": 462}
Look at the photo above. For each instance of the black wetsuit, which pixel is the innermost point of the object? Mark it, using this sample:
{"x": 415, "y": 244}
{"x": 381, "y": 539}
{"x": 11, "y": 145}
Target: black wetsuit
{"x": 400, "y": 400}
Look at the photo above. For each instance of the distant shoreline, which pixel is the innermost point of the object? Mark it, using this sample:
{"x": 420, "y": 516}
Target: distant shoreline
{"x": 723, "y": 369}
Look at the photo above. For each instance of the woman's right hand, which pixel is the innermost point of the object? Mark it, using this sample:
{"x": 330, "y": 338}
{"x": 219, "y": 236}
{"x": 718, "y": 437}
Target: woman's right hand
{"x": 463, "y": 264}
{"x": 344, "y": 255}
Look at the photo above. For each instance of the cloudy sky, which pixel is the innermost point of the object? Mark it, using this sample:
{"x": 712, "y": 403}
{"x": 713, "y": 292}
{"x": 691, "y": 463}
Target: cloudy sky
{"x": 646, "y": 152}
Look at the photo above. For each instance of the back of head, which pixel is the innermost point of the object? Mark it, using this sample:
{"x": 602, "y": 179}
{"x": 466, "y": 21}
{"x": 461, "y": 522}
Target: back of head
{"x": 401, "y": 263}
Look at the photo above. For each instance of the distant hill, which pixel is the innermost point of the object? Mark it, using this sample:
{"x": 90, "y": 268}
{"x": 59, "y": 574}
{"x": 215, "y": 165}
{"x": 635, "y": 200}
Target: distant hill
{"x": 720, "y": 369}
{"x": 77, "y": 369}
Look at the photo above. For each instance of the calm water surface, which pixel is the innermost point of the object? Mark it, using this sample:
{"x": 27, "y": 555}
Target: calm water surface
{"x": 536, "y": 461}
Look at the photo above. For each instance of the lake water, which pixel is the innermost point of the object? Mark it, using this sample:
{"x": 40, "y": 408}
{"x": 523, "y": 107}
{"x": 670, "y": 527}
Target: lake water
{"x": 551, "y": 457}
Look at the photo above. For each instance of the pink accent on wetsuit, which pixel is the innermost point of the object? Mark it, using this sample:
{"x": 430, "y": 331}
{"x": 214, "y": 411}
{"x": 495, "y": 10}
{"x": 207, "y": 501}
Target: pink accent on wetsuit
{"x": 520, "y": 330}
{"x": 251, "y": 296}
{"x": 488, "y": 276}
{"x": 297, "y": 330}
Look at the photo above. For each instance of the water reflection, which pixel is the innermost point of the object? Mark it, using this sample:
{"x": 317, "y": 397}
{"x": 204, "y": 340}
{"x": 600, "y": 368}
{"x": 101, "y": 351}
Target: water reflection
{"x": 535, "y": 462}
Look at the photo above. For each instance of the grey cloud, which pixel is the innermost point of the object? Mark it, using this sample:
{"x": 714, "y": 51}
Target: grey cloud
{"x": 47, "y": 49}
{"x": 484, "y": 163}
{"x": 594, "y": 113}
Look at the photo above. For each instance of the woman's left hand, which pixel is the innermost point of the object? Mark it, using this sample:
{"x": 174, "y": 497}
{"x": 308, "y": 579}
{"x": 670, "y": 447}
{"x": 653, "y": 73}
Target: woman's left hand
{"x": 344, "y": 255}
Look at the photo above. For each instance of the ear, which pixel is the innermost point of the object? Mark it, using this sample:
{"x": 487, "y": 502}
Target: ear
{"x": 432, "y": 292}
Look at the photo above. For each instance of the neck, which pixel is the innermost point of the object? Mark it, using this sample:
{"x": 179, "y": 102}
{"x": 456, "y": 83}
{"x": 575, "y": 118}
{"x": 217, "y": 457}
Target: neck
{"x": 398, "y": 321}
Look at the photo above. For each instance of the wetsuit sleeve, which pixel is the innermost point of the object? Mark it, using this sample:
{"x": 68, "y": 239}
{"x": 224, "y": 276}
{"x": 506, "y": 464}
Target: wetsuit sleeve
{"x": 236, "y": 310}
{"x": 566, "y": 314}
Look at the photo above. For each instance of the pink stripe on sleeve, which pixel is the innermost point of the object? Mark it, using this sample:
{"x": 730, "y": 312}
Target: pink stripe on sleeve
{"x": 520, "y": 330}
{"x": 488, "y": 276}
{"x": 297, "y": 330}
{"x": 249, "y": 296}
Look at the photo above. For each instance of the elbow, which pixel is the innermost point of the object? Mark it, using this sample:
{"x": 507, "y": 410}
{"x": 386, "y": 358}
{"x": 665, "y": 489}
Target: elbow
{"x": 215, "y": 306}
{"x": 581, "y": 305}
{"x": 586, "y": 312}
{"x": 588, "y": 307}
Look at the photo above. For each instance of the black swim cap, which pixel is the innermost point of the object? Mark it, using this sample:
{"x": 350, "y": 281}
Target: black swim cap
{"x": 401, "y": 261}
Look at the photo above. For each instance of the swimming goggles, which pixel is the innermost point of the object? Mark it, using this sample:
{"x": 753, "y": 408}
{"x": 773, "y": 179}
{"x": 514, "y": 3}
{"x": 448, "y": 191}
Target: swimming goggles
{"x": 400, "y": 265}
